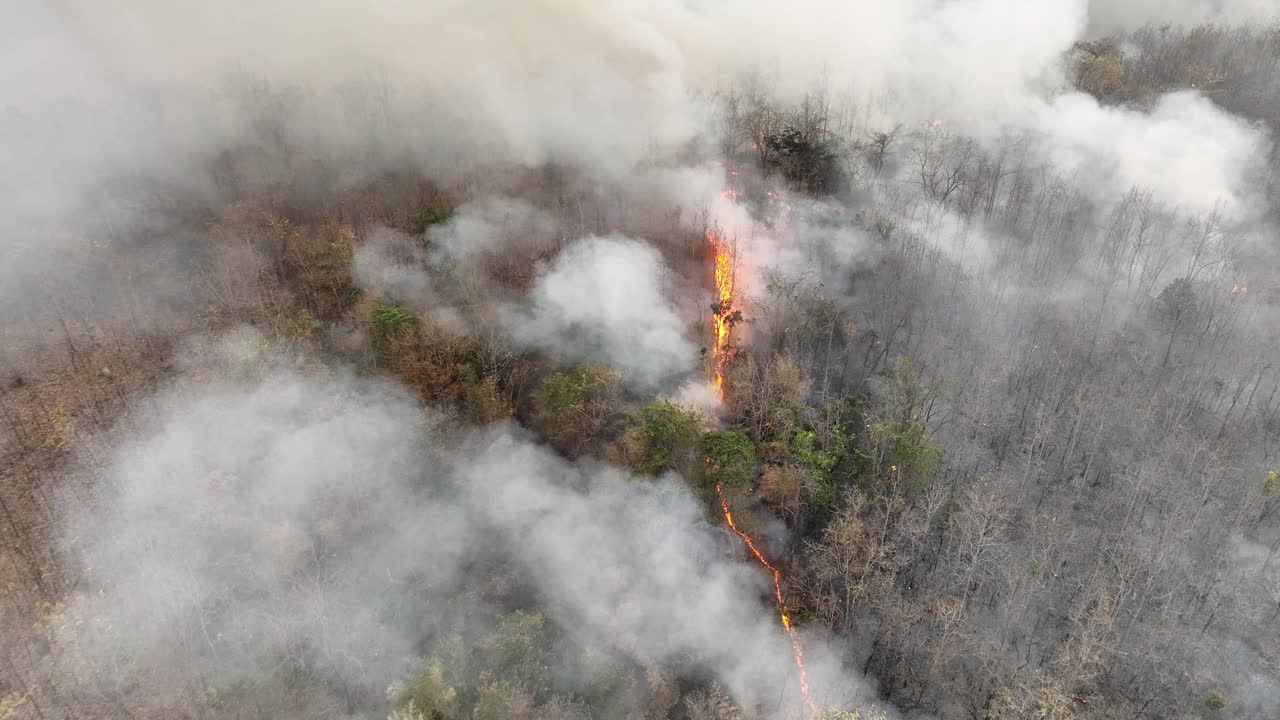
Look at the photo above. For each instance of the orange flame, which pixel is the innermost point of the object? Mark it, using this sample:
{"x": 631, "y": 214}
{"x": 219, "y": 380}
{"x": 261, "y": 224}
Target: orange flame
{"x": 724, "y": 262}
{"x": 783, "y": 611}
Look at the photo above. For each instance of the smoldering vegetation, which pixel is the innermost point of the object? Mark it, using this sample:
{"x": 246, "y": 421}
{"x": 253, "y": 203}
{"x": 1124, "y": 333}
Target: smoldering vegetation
{"x": 356, "y": 361}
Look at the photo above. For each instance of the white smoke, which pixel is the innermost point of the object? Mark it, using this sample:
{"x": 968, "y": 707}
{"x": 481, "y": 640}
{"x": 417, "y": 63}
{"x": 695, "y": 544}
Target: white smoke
{"x": 247, "y": 517}
{"x": 1106, "y": 16}
{"x": 268, "y": 513}
{"x": 393, "y": 265}
{"x": 607, "y": 300}
{"x": 490, "y": 224}
{"x": 459, "y": 90}
{"x": 1186, "y": 151}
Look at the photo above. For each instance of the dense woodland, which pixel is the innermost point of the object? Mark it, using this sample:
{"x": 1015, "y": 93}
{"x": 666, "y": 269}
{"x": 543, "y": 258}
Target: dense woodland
{"x": 1017, "y": 457}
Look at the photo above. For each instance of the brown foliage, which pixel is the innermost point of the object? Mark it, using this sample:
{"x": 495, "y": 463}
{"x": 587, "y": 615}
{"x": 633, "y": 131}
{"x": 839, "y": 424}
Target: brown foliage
{"x": 711, "y": 704}
{"x": 766, "y": 395}
{"x": 855, "y": 561}
{"x": 780, "y": 487}
{"x": 1102, "y": 76}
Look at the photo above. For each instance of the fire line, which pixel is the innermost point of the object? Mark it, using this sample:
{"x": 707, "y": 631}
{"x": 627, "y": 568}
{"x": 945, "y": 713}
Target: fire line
{"x": 724, "y": 261}
{"x": 783, "y": 611}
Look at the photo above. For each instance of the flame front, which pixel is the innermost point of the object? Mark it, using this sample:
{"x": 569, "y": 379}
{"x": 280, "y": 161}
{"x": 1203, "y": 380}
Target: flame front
{"x": 784, "y": 613}
{"x": 721, "y": 324}
{"x": 723, "y": 263}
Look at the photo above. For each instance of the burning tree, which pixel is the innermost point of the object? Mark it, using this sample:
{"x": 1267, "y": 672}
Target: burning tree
{"x": 723, "y": 316}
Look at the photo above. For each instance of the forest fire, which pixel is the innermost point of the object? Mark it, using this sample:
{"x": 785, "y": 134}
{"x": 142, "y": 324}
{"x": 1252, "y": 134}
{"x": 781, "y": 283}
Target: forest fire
{"x": 784, "y": 612}
{"x": 722, "y": 316}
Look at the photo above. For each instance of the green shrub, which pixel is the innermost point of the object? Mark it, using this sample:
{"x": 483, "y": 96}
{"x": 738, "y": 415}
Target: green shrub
{"x": 451, "y": 655}
{"x": 300, "y": 327}
{"x": 383, "y": 317}
{"x": 565, "y": 393}
{"x": 668, "y": 434}
{"x": 520, "y": 649}
{"x": 728, "y": 457}
{"x": 1215, "y": 702}
{"x": 820, "y": 494}
{"x": 913, "y": 456}
{"x": 428, "y": 694}
{"x": 897, "y": 443}
{"x": 573, "y": 409}
{"x": 804, "y": 452}
{"x": 817, "y": 465}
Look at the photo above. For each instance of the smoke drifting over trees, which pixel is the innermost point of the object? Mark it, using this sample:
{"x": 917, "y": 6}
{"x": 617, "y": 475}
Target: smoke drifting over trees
{"x": 230, "y": 530}
{"x": 359, "y": 362}
{"x": 602, "y": 301}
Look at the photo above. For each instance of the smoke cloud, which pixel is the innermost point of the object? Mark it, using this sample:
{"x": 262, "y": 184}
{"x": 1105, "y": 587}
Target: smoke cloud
{"x": 152, "y": 94}
{"x": 155, "y": 91}
{"x": 603, "y": 300}
{"x": 491, "y": 224}
{"x": 268, "y": 515}
{"x": 393, "y": 265}
{"x": 259, "y": 519}
{"x": 1187, "y": 151}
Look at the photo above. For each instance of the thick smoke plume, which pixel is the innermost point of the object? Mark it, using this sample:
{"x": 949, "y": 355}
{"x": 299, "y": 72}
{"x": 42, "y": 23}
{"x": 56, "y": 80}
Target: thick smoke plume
{"x": 1186, "y": 151}
{"x": 603, "y": 300}
{"x": 152, "y": 94}
{"x": 273, "y": 516}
